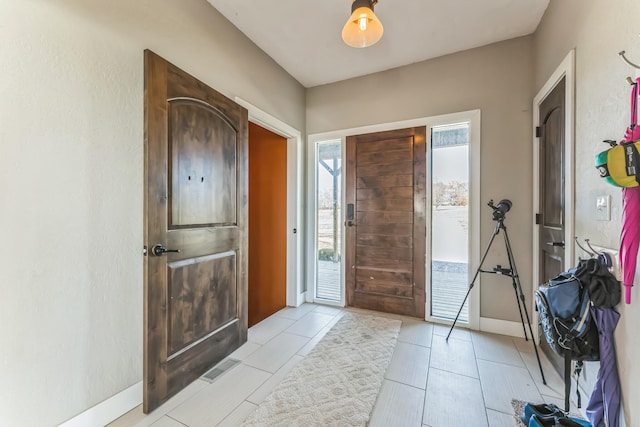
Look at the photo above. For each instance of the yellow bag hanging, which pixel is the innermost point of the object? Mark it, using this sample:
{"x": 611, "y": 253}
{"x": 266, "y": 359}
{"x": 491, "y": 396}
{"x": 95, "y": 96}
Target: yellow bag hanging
{"x": 620, "y": 165}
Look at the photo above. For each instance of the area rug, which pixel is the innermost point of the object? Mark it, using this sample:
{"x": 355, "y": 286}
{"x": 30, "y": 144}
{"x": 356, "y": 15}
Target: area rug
{"x": 518, "y": 409}
{"x": 338, "y": 381}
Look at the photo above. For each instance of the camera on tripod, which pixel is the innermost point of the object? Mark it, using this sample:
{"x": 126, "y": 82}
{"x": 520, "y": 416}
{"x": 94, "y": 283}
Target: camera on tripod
{"x": 501, "y": 209}
{"x": 499, "y": 212}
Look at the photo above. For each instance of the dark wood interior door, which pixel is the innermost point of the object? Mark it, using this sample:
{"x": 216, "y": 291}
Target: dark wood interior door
{"x": 551, "y": 185}
{"x": 195, "y": 304}
{"x": 386, "y": 221}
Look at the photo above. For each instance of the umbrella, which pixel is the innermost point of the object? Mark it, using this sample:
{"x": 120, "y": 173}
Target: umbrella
{"x": 604, "y": 405}
{"x": 630, "y": 237}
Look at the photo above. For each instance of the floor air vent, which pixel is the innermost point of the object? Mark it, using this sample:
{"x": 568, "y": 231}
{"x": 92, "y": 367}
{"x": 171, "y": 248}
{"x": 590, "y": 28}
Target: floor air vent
{"x": 220, "y": 369}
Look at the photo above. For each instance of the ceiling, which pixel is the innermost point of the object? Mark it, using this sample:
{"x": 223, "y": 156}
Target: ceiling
{"x": 304, "y": 36}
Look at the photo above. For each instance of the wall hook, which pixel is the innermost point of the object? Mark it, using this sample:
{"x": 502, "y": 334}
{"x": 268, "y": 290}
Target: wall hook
{"x": 625, "y": 59}
{"x": 592, "y": 254}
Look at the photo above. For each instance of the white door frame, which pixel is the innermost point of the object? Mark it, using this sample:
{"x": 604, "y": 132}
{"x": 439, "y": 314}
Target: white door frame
{"x": 565, "y": 69}
{"x": 474, "y": 119}
{"x": 295, "y": 295}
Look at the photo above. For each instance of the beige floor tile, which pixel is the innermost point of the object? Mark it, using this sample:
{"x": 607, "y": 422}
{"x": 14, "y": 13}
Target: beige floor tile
{"x": 296, "y": 313}
{"x": 216, "y": 401}
{"x": 524, "y": 346}
{"x": 235, "y": 418}
{"x": 328, "y": 309}
{"x": 318, "y": 337}
{"x": 310, "y": 324}
{"x": 498, "y": 419}
{"x": 458, "y": 333}
{"x": 137, "y": 418}
{"x": 167, "y": 422}
{"x": 453, "y": 400}
{"x": 245, "y": 350}
{"x": 427, "y": 376}
{"x": 274, "y": 354}
{"x": 262, "y": 332}
{"x": 455, "y": 356}
{"x": 502, "y": 382}
{"x": 416, "y": 332}
{"x": 265, "y": 389}
{"x": 397, "y": 405}
{"x": 496, "y": 348}
{"x": 409, "y": 365}
{"x": 555, "y": 384}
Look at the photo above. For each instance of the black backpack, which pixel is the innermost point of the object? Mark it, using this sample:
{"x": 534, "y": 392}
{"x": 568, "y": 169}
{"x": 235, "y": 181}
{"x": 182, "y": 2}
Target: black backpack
{"x": 563, "y": 304}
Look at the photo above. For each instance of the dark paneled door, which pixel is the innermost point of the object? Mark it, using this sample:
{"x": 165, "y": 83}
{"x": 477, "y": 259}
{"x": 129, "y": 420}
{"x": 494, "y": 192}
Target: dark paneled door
{"x": 386, "y": 224}
{"x": 195, "y": 300}
{"x": 551, "y": 185}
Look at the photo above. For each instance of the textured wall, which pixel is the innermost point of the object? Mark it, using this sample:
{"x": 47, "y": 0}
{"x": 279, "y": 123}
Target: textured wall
{"x": 71, "y": 184}
{"x": 598, "y": 30}
{"x": 498, "y": 80}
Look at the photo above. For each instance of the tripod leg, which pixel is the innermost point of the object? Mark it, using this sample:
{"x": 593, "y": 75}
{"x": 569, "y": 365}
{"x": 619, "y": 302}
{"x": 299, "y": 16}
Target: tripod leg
{"x": 475, "y": 276}
{"x": 514, "y": 277}
{"x": 515, "y": 290}
{"x": 516, "y": 283}
{"x": 459, "y": 311}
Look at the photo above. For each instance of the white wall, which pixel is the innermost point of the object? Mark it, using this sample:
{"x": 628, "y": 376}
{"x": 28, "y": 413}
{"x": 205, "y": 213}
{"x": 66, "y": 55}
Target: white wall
{"x": 598, "y": 30}
{"x": 71, "y": 183}
{"x": 498, "y": 80}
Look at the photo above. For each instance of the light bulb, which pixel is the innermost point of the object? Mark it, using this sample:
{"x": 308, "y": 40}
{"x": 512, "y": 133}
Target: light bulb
{"x": 363, "y": 22}
{"x": 363, "y": 28}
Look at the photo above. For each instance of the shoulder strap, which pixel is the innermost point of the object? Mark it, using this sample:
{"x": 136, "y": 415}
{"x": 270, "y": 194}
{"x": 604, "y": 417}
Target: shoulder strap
{"x": 634, "y": 104}
{"x": 631, "y": 134}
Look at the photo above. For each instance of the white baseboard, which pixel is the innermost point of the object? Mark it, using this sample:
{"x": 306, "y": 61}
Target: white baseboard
{"x": 109, "y": 410}
{"x": 502, "y": 327}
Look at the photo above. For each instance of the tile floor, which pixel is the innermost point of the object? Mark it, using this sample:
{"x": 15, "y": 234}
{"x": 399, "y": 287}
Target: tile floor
{"x": 467, "y": 381}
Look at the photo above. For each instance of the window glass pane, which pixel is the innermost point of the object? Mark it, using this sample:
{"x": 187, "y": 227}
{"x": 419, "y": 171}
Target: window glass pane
{"x": 328, "y": 224}
{"x": 449, "y": 220}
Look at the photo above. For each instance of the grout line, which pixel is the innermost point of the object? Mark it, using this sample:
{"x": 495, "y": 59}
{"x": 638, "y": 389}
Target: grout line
{"x": 170, "y": 417}
{"x": 453, "y": 373}
{"x": 407, "y": 385}
{"x": 484, "y": 401}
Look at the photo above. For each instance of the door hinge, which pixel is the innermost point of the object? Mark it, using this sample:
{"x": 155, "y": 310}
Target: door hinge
{"x": 538, "y": 219}
{"x": 538, "y": 132}
{"x": 144, "y": 250}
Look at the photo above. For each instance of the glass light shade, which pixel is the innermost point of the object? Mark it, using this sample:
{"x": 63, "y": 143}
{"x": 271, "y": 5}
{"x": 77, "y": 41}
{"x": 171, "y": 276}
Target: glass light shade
{"x": 363, "y": 28}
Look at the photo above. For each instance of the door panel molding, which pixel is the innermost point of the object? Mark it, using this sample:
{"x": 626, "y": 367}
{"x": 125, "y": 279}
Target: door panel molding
{"x": 566, "y": 70}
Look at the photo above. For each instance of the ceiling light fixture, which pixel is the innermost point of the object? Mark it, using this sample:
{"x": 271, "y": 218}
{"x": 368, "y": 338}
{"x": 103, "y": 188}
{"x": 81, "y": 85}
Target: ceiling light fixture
{"x": 363, "y": 28}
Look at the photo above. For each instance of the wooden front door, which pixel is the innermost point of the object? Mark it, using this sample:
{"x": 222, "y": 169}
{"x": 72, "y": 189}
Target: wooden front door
{"x": 552, "y": 216}
{"x": 195, "y": 300}
{"x": 385, "y": 217}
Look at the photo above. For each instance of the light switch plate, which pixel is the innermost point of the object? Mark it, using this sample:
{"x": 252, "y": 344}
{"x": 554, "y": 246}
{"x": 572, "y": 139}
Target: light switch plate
{"x": 603, "y": 208}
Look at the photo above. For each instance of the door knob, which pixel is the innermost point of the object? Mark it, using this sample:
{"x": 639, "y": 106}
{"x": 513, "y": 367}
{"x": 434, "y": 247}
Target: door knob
{"x": 560, "y": 244}
{"x": 159, "y": 250}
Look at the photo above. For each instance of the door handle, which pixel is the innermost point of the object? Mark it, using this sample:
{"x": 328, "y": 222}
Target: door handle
{"x": 560, "y": 244}
{"x": 159, "y": 250}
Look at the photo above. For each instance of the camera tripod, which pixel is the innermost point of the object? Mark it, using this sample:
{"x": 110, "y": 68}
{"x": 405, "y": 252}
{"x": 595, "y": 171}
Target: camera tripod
{"x": 498, "y": 215}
